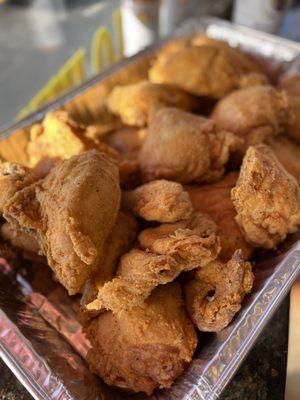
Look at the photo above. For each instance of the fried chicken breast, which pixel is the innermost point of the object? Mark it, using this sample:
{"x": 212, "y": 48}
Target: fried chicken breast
{"x": 71, "y": 212}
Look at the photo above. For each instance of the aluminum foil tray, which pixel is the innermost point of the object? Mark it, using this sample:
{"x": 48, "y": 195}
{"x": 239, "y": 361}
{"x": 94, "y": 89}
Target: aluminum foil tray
{"x": 40, "y": 337}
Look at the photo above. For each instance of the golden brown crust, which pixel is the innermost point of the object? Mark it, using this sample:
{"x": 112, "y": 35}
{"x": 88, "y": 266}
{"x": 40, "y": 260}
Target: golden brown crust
{"x": 13, "y": 177}
{"x": 185, "y": 147}
{"x": 137, "y": 102}
{"x": 145, "y": 348}
{"x": 58, "y": 211}
{"x": 266, "y": 198}
{"x": 160, "y": 200}
{"x": 215, "y": 293}
{"x": 213, "y": 70}
{"x": 254, "y": 113}
{"x": 187, "y": 245}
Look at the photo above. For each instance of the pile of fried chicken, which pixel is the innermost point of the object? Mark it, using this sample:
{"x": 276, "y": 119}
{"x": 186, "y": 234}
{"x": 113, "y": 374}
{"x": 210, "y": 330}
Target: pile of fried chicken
{"x": 154, "y": 224}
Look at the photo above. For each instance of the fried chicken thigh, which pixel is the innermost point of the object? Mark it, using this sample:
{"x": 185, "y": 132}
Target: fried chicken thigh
{"x": 161, "y": 200}
{"x": 187, "y": 245}
{"x": 137, "y": 102}
{"x": 13, "y": 177}
{"x": 184, "y": 147}
{"x": 215, "y": 200}
{"x": 254, "y": 113}
{"x": 145, "y": 348}
{"x": 215, "y": 293}
{"x": 266, "y": 198}
{"x": 71, "y": 213}
{"x": 213, "y": 70}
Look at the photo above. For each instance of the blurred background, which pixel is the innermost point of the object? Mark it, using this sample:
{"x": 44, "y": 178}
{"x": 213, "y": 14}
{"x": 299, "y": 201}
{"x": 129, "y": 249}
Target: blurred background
{"x": 49, "y": 46}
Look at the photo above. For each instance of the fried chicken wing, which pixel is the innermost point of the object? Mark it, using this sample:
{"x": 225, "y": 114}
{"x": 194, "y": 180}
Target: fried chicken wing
{"x": 184, "y": 147}
{"x": 216, "y": 292}
{"x": 13, "y": 177}
{"x": 145, "y": 348}
{"x": 266, "y": 198}
{"x": 254, "y": 113}
{"x": 137, "y": 102}
{"x": 213, "y": 70}
{"x": 139, "y": 272}
{"x": 71, "y": 213}
{"x": 288, "y": 153}
{"x": 215, "y": 200}
{"x": 161, "y": 200}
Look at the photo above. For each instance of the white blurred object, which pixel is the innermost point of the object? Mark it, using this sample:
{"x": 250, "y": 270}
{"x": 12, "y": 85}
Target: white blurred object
{"x": 264, "y": 15}
{"x": 44, "y": 17}
{"x": 174, "y": 12}
{"x": 140, "y": 21}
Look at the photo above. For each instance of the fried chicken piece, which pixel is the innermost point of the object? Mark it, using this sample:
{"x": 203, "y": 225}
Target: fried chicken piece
{"x": 19, "y": 239}
{"x": 215, "y": 200}
{"x": 186, "y": 246}
{"x": 266, "y": 198}
{"x": 288, "y": 153}
{"x": 175, "y": 238}
{"x": 216, "y": 292}
{"x": 185, "y": 147}
{"x": 145, "y": 348}
{"x": 117, "y": 244}
{"x": 13, "y": 177}
{"x": 213, "y": 70}
{"x": 57, "y": 137}
{"x": 254, "y": 113}
{"x": 291, "y": 85}
{"x": 137, "y": 102}
{"x": 161, "y": 200}
{"x": 71, "y": 213}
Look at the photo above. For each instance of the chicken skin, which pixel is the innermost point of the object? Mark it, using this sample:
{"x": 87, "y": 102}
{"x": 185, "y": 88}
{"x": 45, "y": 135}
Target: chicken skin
{"x": 213, "y": 70}
{"x": 266, "y": 198}
{"x": 254, "y": 113}
{"x": 288, "y": 153}
{"x": 57, "y": 137}
{"x": 117, "y": 244}
{"x": 137, "y": 102}
{"x": 139, "y": 272}
{"x": 13, "y": 177}
{"x": 70, "y": 213}
{"x": 145, "y": 348}
{"x": 161, "y": 200}
{"x": 186, "y": 148}
{"x": 215, "y": 293}
{"x": 215, "y": 200}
